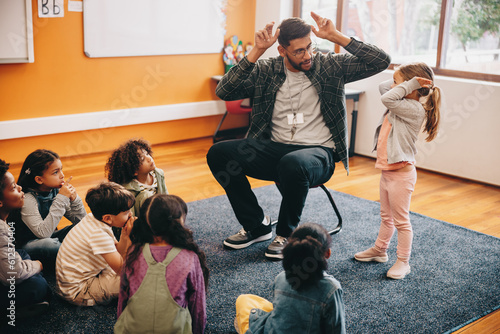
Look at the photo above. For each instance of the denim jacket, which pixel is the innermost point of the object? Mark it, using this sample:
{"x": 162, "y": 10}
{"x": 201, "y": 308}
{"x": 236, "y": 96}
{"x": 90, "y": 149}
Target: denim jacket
{"x": 317, "y": 309}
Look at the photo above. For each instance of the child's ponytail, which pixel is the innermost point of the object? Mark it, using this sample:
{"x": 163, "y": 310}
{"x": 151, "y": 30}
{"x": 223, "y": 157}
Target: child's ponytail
{"x": 163, "y": 216}
{"x": 431, "y": 96}
{"x": 432, "y": 105}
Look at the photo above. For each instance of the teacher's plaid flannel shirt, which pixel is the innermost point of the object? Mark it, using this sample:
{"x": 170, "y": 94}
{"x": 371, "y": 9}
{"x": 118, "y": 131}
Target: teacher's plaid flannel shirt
{"x": 329, "y": 73}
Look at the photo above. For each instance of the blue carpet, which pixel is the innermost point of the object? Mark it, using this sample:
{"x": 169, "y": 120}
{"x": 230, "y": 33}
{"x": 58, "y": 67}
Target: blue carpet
{"x": 454, "y": 277}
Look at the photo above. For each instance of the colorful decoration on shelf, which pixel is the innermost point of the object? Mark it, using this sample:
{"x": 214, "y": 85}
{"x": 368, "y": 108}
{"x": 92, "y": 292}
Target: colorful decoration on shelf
{"x": 234, "y": 51}
{"x": 239, "y": 52}
{"x": 248, "y": 48}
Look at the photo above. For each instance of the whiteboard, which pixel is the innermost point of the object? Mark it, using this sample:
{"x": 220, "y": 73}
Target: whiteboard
{"x": 16, "y": 32}
{"x": 122, "y": 28}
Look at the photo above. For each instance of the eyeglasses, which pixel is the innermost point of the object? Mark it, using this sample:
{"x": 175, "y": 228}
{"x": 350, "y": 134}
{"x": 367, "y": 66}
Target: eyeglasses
{"x": 300, "y": 53}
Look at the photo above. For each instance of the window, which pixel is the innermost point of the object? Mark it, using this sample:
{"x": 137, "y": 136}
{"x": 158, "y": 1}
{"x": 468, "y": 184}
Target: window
{"x": 474, "y": 39}
{"x": 325, "y": 9}
{"x": 458, "y": 38}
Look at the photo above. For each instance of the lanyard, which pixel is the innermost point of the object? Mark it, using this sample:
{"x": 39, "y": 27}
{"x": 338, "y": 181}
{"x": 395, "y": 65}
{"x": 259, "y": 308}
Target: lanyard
{"x": 294, "y": 126}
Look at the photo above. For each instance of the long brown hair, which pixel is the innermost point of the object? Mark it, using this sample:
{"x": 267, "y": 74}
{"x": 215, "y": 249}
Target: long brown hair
{"x": 431, "y": 96}
{"x": 163, "y": 215}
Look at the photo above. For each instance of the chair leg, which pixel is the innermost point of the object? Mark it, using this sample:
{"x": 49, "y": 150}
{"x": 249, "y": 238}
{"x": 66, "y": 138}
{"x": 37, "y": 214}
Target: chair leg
{"x": 214, "y": 138}
{"x": 338, "y": 228}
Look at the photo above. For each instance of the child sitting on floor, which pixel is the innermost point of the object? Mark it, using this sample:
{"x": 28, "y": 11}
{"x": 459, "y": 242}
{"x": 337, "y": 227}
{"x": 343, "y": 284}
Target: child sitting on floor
{"x": 23, "y": 291}
{"x": 165, "y": 265}
{"x": 132, "y": 166}
{"x": 90, "y": 258}
{"x": 306, "y": 299}
{"x": 49, "y": 197}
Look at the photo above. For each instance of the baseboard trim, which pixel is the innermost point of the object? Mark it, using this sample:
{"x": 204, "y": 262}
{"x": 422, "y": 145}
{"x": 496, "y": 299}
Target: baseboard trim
{"x": 107, "y": 119}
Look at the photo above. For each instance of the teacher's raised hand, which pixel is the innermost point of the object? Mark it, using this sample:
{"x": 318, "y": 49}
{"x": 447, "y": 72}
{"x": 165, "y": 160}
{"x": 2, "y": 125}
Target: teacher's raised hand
{"x": 264, "y": 39}
{"x": 327, "y": 30}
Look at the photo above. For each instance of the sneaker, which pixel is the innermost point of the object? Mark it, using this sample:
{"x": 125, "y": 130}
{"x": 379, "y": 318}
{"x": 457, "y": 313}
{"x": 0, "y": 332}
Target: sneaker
{"x": 399, "y": 270}
{"x": 243, "y": 238}
{"x": 275, "y": 250}
{"x": 30, "y": 311}
{"x": 371, "y": 254}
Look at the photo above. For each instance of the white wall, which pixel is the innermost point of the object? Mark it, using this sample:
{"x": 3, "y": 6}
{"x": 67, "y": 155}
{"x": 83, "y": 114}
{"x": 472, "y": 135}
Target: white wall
{"x": 267, "y": 11}
{"x": 468, "y": 144}
{"x": 29, "y": 127}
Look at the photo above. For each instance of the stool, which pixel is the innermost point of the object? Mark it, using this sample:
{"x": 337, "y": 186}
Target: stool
{"x": 337, "y": 228}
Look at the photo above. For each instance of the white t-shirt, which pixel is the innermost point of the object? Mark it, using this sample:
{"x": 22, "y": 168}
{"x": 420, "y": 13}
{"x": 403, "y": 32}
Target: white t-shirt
{"x": 297, "y": 90}
{"x": 79, "y": 257}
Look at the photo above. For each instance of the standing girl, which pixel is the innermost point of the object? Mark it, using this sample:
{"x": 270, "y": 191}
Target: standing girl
{"x": 48, "y": 198}
{"x": 412, "y": 101}
{"x": 164, "y": 264}
{"x": 306, "y": 299}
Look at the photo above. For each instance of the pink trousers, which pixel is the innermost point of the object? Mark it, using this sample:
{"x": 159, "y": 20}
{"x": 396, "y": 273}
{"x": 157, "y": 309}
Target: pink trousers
{"x": 395, "y": 196}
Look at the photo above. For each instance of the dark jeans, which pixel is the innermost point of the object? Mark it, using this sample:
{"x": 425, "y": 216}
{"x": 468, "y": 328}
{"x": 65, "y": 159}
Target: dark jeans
{"x": 294, "y": 167}
{"x": 45, "y": 249}
{"x": 30, "y": 291}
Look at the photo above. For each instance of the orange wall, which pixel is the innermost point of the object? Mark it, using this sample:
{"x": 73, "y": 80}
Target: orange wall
{"x": 63, "y": 81}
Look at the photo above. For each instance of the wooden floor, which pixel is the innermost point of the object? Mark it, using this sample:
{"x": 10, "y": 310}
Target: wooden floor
{"x": 457, "y": 201}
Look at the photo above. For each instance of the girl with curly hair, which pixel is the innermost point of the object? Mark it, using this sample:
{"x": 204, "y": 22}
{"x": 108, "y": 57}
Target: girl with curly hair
{"x": 133, "y": 166}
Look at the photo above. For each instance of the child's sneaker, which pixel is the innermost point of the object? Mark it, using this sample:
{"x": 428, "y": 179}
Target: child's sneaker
{"x": 371, "y": 254}
{"x": 399, "y": 270}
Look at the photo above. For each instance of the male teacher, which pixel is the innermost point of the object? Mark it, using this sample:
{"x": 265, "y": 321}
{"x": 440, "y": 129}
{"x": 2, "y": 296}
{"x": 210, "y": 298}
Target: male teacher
{"x": 298, "y": 127}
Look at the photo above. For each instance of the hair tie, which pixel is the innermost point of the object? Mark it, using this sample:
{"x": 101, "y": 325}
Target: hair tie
{"x": 27, "y": 171}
